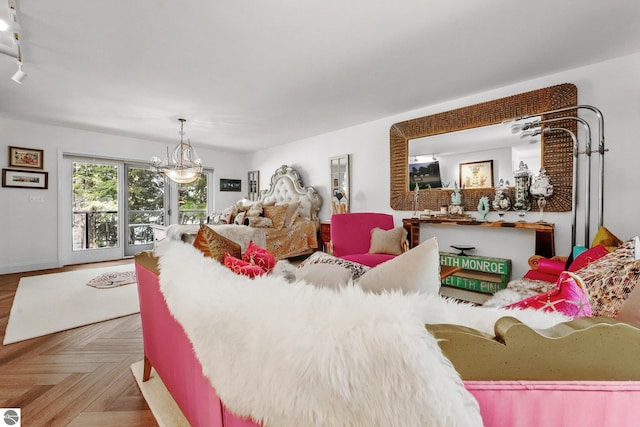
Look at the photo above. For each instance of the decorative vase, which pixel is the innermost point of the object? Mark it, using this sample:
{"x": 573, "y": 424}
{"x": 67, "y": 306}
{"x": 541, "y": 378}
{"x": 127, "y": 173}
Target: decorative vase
{"x": 542, "y": 189}
{"x": 501, "y": 201}
{"x": 522, "y": 202}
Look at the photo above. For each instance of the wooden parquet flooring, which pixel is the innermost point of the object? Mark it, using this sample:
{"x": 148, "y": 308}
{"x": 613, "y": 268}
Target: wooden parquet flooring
{"x": 80, "y": 377}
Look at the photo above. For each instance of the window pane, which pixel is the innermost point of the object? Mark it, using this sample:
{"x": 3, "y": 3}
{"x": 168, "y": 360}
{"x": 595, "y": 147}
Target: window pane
{"x": 145, "y": 204}
{"x": 192, "y": 201}
{"x": 95, "y": 206}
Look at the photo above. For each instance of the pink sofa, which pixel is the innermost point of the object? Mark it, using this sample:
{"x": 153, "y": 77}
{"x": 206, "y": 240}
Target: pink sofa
{"x": 502, "y": 403}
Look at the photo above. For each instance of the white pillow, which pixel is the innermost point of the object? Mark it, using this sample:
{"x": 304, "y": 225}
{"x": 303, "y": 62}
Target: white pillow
{"x": 324, "y": 275}
{"x": 417, "y": 270}
{"x": 636, "y": 243}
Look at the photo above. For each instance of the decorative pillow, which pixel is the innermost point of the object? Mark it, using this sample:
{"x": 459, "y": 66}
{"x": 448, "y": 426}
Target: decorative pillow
{"x": 568, "y": 297}
{"x": 611, "y": 279}
{"x": 417, "y": 270}
{"x": 228, "y": 215}
{"x": 255, "y": 210}
{"x": 239, "y": 219}
{"x": 214, "y": 245}
{"x": 259, "y": 256}
{"x": 277, "y": 214}
{"x": 587, "y": 257}
{"x": 324, "y": 275}
{"x": 258, "y": 222}
{"x": 606, "y": 238}
{"x": 356, "y": 269}
{"x": 244, "y": 268}
{"x": 291, "y": 215}
{"x": 387, "y": 241}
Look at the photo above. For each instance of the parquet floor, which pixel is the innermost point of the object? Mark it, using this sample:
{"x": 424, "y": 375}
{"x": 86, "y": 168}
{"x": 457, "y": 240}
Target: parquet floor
{"x": 79, "y": 377}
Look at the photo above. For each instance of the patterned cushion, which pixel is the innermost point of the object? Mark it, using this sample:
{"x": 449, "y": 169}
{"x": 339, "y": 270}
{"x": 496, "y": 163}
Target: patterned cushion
{"x": 277, "y": 214}
{"x": 611, "y": 279}
{"x": 244, "y": 268}
{"x": 214, "y": 245}
{"x": 259, "y": 256}
{"x": 387, "y": 241}
{"x": 567, "y": 297}
{"x": 356, "y": 269}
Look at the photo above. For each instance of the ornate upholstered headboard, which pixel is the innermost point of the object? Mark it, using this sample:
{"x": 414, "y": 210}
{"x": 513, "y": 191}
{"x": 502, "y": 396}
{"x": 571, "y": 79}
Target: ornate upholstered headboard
{"x": 286, "y": 187}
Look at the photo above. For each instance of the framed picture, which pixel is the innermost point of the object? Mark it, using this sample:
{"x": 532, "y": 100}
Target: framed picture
{"x": 26, "y": 158}
{"x": 25, "y": 179}
{"x": 476, "y": 174}
{"x": 230, "y": 184}
{"x": 426, "y": 175}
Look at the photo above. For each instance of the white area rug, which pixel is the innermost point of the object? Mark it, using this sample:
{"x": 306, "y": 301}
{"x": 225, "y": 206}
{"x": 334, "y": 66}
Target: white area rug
{"x": 56, "y": 302}
{"x": 162, "y": 405}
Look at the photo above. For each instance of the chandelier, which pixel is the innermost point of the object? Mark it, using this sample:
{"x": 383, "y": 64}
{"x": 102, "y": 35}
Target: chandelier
{"x": 183, "y": 165}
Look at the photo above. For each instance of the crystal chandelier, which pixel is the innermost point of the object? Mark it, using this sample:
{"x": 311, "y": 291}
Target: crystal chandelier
{"x": 183, "y": 165}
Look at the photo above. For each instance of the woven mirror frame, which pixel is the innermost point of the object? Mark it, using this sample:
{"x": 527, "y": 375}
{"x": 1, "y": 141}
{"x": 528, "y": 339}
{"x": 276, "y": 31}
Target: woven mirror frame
{"x": 557, "y": 148}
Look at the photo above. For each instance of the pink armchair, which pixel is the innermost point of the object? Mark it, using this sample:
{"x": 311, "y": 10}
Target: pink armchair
{"x": 351, "y": 236}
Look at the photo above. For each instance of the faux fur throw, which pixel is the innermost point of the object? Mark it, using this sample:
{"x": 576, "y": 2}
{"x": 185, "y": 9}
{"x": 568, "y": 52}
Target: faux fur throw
{"x": 291, "y": 354}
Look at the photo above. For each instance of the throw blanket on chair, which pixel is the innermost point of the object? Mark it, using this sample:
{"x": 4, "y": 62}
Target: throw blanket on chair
{"x": 291, "y": 354}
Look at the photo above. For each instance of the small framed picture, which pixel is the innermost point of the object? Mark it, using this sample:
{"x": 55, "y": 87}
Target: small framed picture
{"x": 25, "y": 179}
{"x": 230, "y": 184}
{"x": 26, "y": 158}
{"x": 476, "y": 174}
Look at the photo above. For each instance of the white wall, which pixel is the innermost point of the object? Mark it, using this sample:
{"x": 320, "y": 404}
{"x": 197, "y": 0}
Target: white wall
{"x": 30, "y": 228}
{"x": 612, "y": 86}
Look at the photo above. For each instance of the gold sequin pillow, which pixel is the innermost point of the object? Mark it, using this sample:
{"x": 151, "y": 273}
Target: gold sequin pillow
{"x": 214, "y": 245}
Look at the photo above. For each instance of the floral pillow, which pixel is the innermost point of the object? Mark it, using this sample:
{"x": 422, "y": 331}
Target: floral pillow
{"x": 568, "y": 297}
{"x": 277, "y": 214}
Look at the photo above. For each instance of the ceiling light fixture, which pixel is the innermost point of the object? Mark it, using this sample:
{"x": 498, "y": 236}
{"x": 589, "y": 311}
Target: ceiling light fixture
{"x": 183, "y": 165}
{"x": 19, "y": 75}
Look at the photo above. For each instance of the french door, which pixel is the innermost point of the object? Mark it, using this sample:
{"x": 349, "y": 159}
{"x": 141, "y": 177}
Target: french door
{"x": 110, "y": 206}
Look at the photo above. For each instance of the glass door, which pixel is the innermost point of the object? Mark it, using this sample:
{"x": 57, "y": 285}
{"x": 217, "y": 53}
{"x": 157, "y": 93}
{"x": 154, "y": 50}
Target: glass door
{"x": 145, "y": 206}
{"x": 94, "y": 211}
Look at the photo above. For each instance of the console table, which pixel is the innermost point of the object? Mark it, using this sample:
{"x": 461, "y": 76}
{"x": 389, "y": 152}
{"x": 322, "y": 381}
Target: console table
{"x": 545, "y": 242}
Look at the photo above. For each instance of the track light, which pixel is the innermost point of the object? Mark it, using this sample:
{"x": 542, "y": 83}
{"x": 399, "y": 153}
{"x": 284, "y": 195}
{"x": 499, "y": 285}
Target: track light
{"x": 19, "y": 76}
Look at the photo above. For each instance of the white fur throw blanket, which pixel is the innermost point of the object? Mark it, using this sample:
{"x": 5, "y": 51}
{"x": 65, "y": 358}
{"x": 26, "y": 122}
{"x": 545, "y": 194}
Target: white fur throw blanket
{"x": 291, "y": 354}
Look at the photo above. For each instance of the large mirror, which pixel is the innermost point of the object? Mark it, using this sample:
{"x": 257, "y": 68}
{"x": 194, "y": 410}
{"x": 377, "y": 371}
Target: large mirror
{"x": 340, "y": 185}
{"x": 555, "y": 152}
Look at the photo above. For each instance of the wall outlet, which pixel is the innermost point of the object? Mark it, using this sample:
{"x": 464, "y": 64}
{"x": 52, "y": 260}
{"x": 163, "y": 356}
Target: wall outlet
{"x": 36, "y": 199}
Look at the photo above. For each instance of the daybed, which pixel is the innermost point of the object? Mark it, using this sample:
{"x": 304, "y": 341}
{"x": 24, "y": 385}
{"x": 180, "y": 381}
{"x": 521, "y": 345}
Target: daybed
{"x": 285, "y": 221}
{"x": 348, "y": 358}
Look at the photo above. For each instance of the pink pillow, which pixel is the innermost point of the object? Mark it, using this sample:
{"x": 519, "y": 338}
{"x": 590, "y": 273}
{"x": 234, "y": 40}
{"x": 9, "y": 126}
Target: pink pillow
{"x": 259, "y": 256}
{"x": 567, "y": 297}
{"x": 588, "y": 256}
{"x": 244, "y": 268}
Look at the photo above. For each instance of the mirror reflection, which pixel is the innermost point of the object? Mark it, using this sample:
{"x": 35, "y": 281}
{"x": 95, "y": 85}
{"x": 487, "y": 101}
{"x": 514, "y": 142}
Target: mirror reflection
{"x": 435, "y": 161}
{"x": 556, "y": 151}
{"x": 339, "y": 167}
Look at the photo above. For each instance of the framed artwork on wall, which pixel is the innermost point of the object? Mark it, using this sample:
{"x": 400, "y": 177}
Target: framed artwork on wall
{"x": 476, "y": 174}
{"x": 230, "y": 184}
{"x": 25, "y": 179}
{"x": 26, "y": 158}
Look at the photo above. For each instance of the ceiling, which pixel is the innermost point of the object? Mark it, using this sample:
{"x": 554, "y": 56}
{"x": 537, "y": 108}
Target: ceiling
{"x": 251, "y": 74}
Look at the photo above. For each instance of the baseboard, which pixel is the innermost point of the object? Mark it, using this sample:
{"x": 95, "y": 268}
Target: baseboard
{"x": 23, "y": 268}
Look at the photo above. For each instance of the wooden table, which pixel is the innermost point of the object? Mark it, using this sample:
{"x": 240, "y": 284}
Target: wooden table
{"x": 545, "y": 241}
